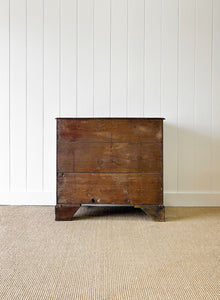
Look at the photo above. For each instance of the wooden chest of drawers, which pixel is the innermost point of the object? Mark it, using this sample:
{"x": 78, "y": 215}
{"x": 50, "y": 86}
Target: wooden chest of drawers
{"x": 109, "y": 161}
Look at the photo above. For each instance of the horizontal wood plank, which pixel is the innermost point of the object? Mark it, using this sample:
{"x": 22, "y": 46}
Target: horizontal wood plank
{"x": 83, "y": 130}
{"x": 109, "y": 157}
{"x": 137, "y": 130}
{"x": 110, "y": 130}
{"x": 100, "y": 188}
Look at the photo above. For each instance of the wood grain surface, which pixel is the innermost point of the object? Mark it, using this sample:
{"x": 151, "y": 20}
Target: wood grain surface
{"x": 109, "y": 157}
{"x": 65, "y": 213}
{"x": 110, "y": 130}
{"x": 156, "y": 212}
{"x": 109, "y": 188}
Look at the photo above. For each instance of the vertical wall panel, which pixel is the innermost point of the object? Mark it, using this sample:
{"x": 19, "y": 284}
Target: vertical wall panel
{"x": 85, "y": 105}
{"x": 203, "y": 105}
{"x": 135, "y": 58}
{"x": 152, "y": 101}
{"x": 114, "y": 58}
{"x": 68, "y": 56}
{"x": 186, "y": 99}
{"x": 4, "y": 94}
{"x": 34, "y": 95}
{"x": 102, "y": 13}
{"x": 18, "y": 94}
{"x": 216, "y": 98}
{"x": 169, "y": 89}
{"x": 51, "y": 90}
{"x": 118, "y": 57}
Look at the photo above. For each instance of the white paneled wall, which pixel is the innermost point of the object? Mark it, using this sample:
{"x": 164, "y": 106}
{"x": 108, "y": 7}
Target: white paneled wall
{"x": 110, "y": 58}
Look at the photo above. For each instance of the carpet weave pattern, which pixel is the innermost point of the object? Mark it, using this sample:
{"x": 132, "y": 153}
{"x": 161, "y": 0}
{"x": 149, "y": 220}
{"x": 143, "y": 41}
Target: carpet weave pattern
{"x": 109, "y": 253}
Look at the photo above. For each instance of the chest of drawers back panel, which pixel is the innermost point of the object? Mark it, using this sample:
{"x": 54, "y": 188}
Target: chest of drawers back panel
{"x": 109, "y": 157}
{"x": 109, "y": 161}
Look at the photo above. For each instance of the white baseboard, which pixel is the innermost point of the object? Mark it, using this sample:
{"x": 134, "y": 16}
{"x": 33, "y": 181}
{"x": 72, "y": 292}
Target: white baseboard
{"x": 27, "y": 198}
{"x": 191, "y": 199}
{"x": 170, "y": 198}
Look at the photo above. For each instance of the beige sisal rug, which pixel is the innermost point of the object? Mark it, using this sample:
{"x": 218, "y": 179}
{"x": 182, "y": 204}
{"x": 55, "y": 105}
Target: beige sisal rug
{"x": 109, "y": 253}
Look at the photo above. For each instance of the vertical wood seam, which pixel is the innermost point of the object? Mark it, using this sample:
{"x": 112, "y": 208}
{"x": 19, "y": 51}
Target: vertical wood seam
{"x": 9, "y": 87}
{"x": 59, "y": 58}
{"x": 76, "y": 57}
{"x": 110, "y": 58}
{"x": 127, "y": 66}
{"x": 26, "y": 100}
{"x": 93, "y": 58}
{"x": 161, "y": 29}
{"x": 43, "y": 98}
{"x": 194, "y": 104}
{"x": 177, "y": 93}
{"x": 144, "y": 64}
{"x": 212, "y": 144}
{"x": 146, "y": 37}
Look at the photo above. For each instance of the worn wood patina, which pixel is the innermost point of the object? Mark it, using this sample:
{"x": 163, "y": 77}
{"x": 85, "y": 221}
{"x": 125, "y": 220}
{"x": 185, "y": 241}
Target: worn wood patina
{"x": 110, "y": 161}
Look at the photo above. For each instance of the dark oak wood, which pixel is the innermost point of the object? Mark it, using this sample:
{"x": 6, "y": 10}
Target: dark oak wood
{"x": 156, "y": 212}
{"x": 109, "y": 188}
{"x": 110, "y": 130}
{"x": 83, "y": 130}
{"x": 137, "y": 130}
{"x": 109, "y": 157}
{"x": 110, "y": 161}
{"x": 65, "y": 213}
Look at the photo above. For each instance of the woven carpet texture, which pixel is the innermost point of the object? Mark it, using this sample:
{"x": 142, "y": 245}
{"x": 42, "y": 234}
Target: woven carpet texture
{"x": 109, "y": 253}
